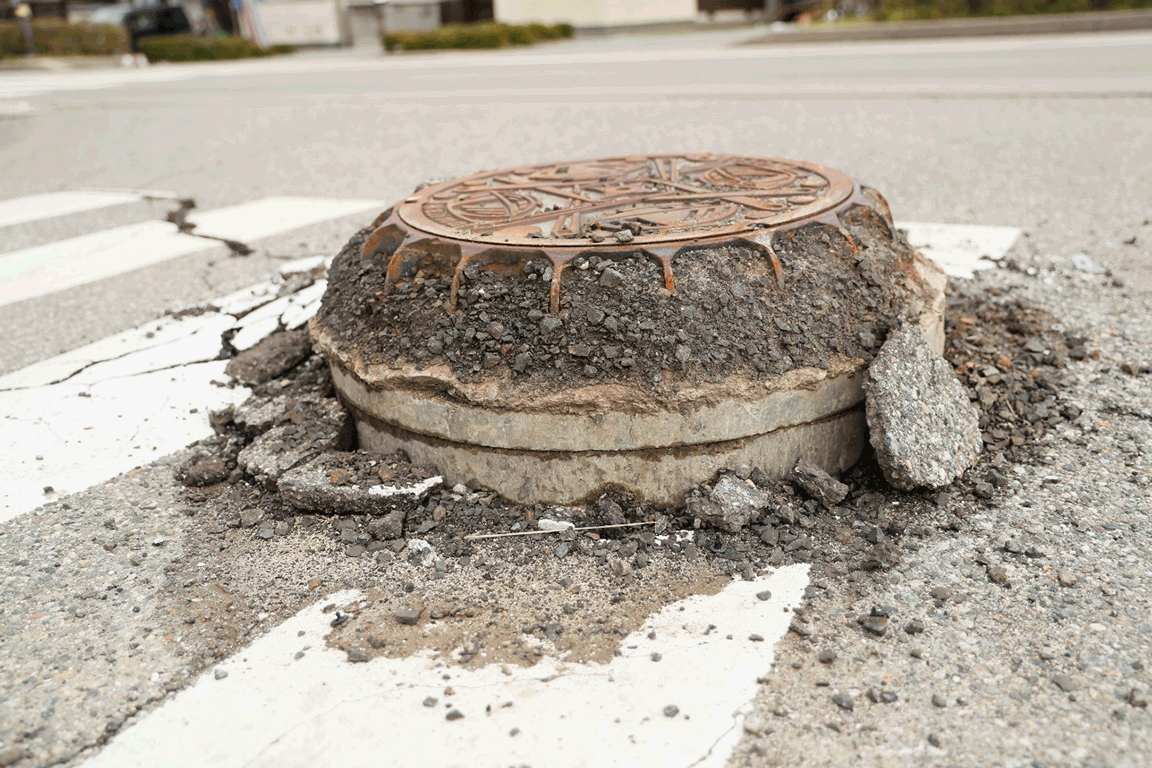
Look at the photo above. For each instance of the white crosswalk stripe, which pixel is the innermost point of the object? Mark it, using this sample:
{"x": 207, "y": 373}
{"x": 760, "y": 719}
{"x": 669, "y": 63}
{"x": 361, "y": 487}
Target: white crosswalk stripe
{"x": 53, "y": 267}
{"x": 50, "y": 204}
{"x": 84, "y": 416}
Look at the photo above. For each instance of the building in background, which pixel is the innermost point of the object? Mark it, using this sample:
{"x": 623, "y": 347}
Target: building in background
{"x": 597, "y": 14}
{"x": 303, "y": 22}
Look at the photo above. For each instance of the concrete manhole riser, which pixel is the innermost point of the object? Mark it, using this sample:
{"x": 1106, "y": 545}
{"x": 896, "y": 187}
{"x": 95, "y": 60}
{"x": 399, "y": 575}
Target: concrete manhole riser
{"x": 510, "y": 253}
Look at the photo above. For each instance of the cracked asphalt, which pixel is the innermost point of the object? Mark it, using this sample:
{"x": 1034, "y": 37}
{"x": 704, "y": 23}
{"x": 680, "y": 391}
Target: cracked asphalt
{"x": 1048, "y": 666}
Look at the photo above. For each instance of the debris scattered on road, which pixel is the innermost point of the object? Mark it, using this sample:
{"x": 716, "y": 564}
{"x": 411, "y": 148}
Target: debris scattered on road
{"x": 817, "y": 483}
{"x": 273, "y": 356}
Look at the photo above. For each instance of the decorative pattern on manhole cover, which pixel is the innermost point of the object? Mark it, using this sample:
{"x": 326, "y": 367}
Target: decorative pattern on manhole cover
{"x": 637, "y": 199}
{"x": 640, "y": 206}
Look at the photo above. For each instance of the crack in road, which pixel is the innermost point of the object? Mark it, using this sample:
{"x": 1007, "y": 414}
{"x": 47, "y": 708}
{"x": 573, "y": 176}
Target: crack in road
{"x": 179, "y": 217}
{"x": 129, "y": 353}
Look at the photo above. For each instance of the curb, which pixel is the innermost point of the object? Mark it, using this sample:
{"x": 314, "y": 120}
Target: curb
{"x": 1041, "y": 24}
{"x": 58, "y": 63}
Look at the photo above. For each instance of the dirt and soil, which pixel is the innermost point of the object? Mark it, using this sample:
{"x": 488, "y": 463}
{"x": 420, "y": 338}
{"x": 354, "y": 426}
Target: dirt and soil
{"x": 617, "y": 322}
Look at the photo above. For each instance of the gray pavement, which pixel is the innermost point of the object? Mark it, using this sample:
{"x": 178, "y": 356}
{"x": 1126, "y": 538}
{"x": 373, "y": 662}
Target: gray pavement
{"x": 1047, "y": 133}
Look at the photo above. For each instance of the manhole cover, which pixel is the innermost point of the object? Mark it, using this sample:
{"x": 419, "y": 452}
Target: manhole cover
{"x": 642, "y": 321}
{"x": 656, "y": 199}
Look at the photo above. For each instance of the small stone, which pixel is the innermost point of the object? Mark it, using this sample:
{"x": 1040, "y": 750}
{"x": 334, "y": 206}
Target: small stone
{"x": 844, "y": 701}
{"x": 454, "y": 714}
{"x": 619, "y": 566}
{"x": 273, "y": 356}
{"x": 610, "y": 278}
{"x": 997, "y": 574}
{"x": 934, "y": 740}
{"x": 1066, "y": 578}
{"x": 799, "y": 628}
{"x": 756, "y": 638}
{"x": 250, "y": 517}
{"x": 817, "y": 483}
{"x": 1065, "y": 683}
{"x": 764, "y": 595}
{"x": 732, "y": 504}
{"x": 939, "y": 701}
{"x": 656, "y": 656}
{"x": 755, "y": 724}
{"x": 431, "y": 701}
{"x": 408, "y": 617}
{"x": 671, "y": 710}
{"x": 201, "y": 469}
{"x": 827, "y": 656}
{"x": 220, "y": 674}
{"x": 943, "y": 594}
{"x": 1137, "y": 698}
{"x": 877, "y": 625}
{"x": 921, "y": 423}
{"x": 358, "y": 654}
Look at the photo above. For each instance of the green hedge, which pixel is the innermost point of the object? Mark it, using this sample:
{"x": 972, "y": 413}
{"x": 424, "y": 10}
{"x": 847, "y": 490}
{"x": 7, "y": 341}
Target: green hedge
{"x": 56, "y": 38}
{"x": 484, "y": 35}
{"x": 903, "y": 10}
{"x": 193, "y": 48}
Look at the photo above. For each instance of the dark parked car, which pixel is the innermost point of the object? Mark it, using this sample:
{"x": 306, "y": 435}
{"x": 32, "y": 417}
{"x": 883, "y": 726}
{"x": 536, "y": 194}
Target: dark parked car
{"x": 156, "y": 20}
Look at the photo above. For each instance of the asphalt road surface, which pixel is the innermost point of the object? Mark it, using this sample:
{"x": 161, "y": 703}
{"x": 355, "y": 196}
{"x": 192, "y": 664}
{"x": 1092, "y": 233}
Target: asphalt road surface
{"x": 1049, "y": 134}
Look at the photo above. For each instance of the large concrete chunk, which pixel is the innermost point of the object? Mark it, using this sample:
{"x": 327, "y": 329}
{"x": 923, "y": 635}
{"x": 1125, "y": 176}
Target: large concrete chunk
{"x": 817, "y": 483}
{"x": 733, "y": 504}
{"x": 316, "y": 427}
{"x": 274, "y": 356}
{"x": 353, "y": 484}
{"x": 921, "y": 423}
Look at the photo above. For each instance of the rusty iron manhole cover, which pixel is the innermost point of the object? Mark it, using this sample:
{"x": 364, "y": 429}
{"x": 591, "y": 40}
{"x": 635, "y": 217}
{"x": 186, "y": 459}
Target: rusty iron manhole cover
{"x": 652, "y": 198}
{"x": 658, "y": 203}
{"x": 641, "y": 321}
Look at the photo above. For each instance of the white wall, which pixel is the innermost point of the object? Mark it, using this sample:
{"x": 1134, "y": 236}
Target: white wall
{"x": 301, "y": 22}
{"x": 594, "y": 13}
{"x": 411, "y": 18}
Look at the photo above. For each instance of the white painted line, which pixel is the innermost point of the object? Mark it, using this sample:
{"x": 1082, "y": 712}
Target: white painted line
{"x": 246, "y": 299}
{"x": 272, "y": 710}
{"x": 415, "y": 491}
{"x": 53, "y": 267}
{"x": 288, "y": 312}
{"x": 961, "y": 249}
{"x": 21, "y": 210}
{"x": 72, "y": 435}
{"x": 273, "y": 215}
{"x": 167, "y": 341}
{"x": 46, "y": 269}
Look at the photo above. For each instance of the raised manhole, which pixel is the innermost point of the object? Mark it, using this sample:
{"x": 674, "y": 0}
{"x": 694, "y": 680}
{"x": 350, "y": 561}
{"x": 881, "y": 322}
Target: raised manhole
{"x": 643, "y": 322}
